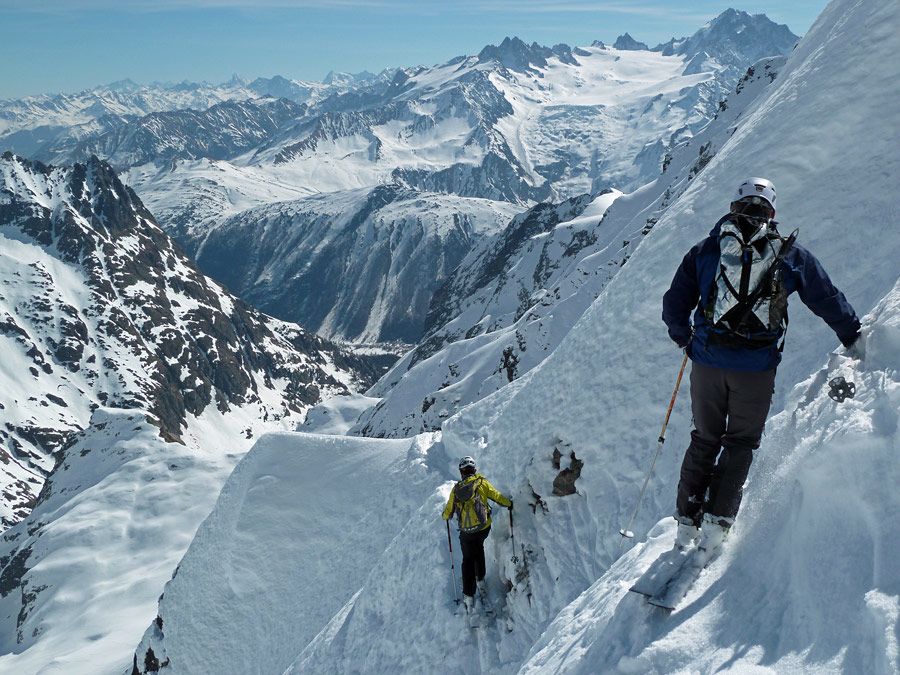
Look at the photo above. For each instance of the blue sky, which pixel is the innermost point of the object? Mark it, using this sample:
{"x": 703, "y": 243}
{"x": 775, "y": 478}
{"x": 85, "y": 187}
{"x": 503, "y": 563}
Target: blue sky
{"x": 69, "y": 45}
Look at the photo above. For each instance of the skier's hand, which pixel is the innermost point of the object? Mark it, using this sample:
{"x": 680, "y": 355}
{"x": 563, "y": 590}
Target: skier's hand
{"x": 858, "y": 349}
{"x": 510, "y": 505}
{"x": 681, "y": 337}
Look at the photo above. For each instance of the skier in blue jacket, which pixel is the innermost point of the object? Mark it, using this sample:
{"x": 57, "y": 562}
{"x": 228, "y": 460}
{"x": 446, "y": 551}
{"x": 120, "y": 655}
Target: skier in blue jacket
{"x": 736, "y": 283}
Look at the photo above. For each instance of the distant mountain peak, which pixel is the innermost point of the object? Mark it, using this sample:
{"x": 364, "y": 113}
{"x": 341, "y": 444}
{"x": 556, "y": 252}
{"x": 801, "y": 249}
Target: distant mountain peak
{"x": 626, "y": 42}
{"x": 733, "y": 39}
{"x": 335, "y": 77}
{"x": 126, "y": 85}
{"x": 514, "y": 54}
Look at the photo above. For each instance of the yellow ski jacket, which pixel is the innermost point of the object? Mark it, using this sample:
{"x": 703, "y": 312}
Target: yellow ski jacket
{"x": 474, "y": 514}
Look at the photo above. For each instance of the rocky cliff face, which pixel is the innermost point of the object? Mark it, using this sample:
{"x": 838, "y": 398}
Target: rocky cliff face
{"x": 99, "y": 307}
{"x": 362, "y": 265}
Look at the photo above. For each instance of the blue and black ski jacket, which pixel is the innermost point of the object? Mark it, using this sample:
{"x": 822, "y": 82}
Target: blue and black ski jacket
{"x": 695, "y": 281}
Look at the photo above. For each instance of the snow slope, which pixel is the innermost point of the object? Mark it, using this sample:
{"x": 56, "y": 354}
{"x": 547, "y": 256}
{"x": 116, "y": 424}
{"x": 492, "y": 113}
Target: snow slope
{"x": 84, "y": 571}
{"x": 596, "y": 404}
{"x": 808, "y": 581}
{"x": 517, "y": 294}
{"x": 327, "y": 507}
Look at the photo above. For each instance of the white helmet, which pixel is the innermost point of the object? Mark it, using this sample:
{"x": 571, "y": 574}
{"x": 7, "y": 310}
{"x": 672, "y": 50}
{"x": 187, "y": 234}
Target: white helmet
{"x": 756, "y": 187}
{"x": 466, "y": 463}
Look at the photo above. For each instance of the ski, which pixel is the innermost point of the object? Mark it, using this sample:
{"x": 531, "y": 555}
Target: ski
{"x": 678, "y": 585}
{"x": 660, "y": 572}
{"x": 674, "y": 591}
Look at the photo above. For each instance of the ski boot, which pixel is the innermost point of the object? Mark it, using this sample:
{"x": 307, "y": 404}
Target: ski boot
{"x": 713, "y": 532}
{"x": 687, "y": 533}
{"x": 471, "y": 614}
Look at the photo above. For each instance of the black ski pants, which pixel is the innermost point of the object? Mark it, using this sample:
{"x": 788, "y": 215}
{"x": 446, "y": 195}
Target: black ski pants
{"x": 730, "y": 409}
{"x": 472, "y": 546}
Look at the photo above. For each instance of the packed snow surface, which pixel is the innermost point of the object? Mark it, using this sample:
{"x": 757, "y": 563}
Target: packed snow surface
{"x": 328, "y": 507}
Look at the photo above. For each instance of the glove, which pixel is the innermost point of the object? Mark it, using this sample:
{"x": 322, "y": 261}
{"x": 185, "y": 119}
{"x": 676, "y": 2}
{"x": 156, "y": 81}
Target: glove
{"x": 682, "y": 339}
{"x": 857, "y": 350}
{"x": 510, "y": 505}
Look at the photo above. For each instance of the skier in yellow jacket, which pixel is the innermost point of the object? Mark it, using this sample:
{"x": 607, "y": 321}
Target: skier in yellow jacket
{"x": 469, "y": 500}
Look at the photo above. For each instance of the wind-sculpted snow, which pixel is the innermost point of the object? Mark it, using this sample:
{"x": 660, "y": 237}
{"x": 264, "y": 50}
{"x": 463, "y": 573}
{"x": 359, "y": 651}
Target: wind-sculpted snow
{"x": 808, "y": 581}
{"x": 588, "y": 416}
{"x": 326, "y": 508}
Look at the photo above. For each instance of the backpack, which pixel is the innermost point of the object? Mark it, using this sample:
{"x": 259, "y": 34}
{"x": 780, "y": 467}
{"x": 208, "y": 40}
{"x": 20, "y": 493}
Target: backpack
{"x": 747, "y": 302}
{"x": 471, "y": 507}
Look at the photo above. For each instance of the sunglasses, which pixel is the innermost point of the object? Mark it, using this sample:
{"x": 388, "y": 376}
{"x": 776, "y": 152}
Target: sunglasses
{"x": 756, "y": 200}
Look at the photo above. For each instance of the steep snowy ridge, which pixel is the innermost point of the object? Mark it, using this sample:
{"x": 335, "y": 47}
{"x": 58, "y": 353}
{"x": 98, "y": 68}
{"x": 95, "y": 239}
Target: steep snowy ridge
{"x": 329, "y": 506}
{"x": 603, "y": 391}
{"x": 518, "y": 293}
{"x": 587, "y": 418}
{"x": 816, "y": 545}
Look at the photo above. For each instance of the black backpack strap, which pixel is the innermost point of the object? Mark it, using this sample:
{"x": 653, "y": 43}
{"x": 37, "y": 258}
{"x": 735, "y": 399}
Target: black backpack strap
{"x": 745, "y": 306}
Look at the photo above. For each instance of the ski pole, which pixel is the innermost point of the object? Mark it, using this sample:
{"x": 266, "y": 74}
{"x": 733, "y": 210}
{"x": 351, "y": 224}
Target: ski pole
{"x": 452, "y": 567}
{"x": 512, "y": 536}
{"x": 626, "y": 531}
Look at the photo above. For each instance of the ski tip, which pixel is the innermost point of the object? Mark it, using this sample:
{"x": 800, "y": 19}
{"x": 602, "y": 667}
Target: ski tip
{"x": 628, "y": 534}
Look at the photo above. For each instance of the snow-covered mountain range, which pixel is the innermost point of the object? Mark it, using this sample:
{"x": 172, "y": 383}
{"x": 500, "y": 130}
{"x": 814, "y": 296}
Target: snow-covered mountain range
{"x": 30, "y": 125}
{"x": 517, "y": 214}
{"x": 100, "y": 308}
{"x": 808, "y": 581}
{"x": 517, "y": 294}
{"x": 514, "y": 123}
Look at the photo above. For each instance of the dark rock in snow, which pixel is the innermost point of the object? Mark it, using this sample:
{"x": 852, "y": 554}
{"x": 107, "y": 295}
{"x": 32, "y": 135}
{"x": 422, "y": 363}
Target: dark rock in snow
{"x": 626, "y": 42}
